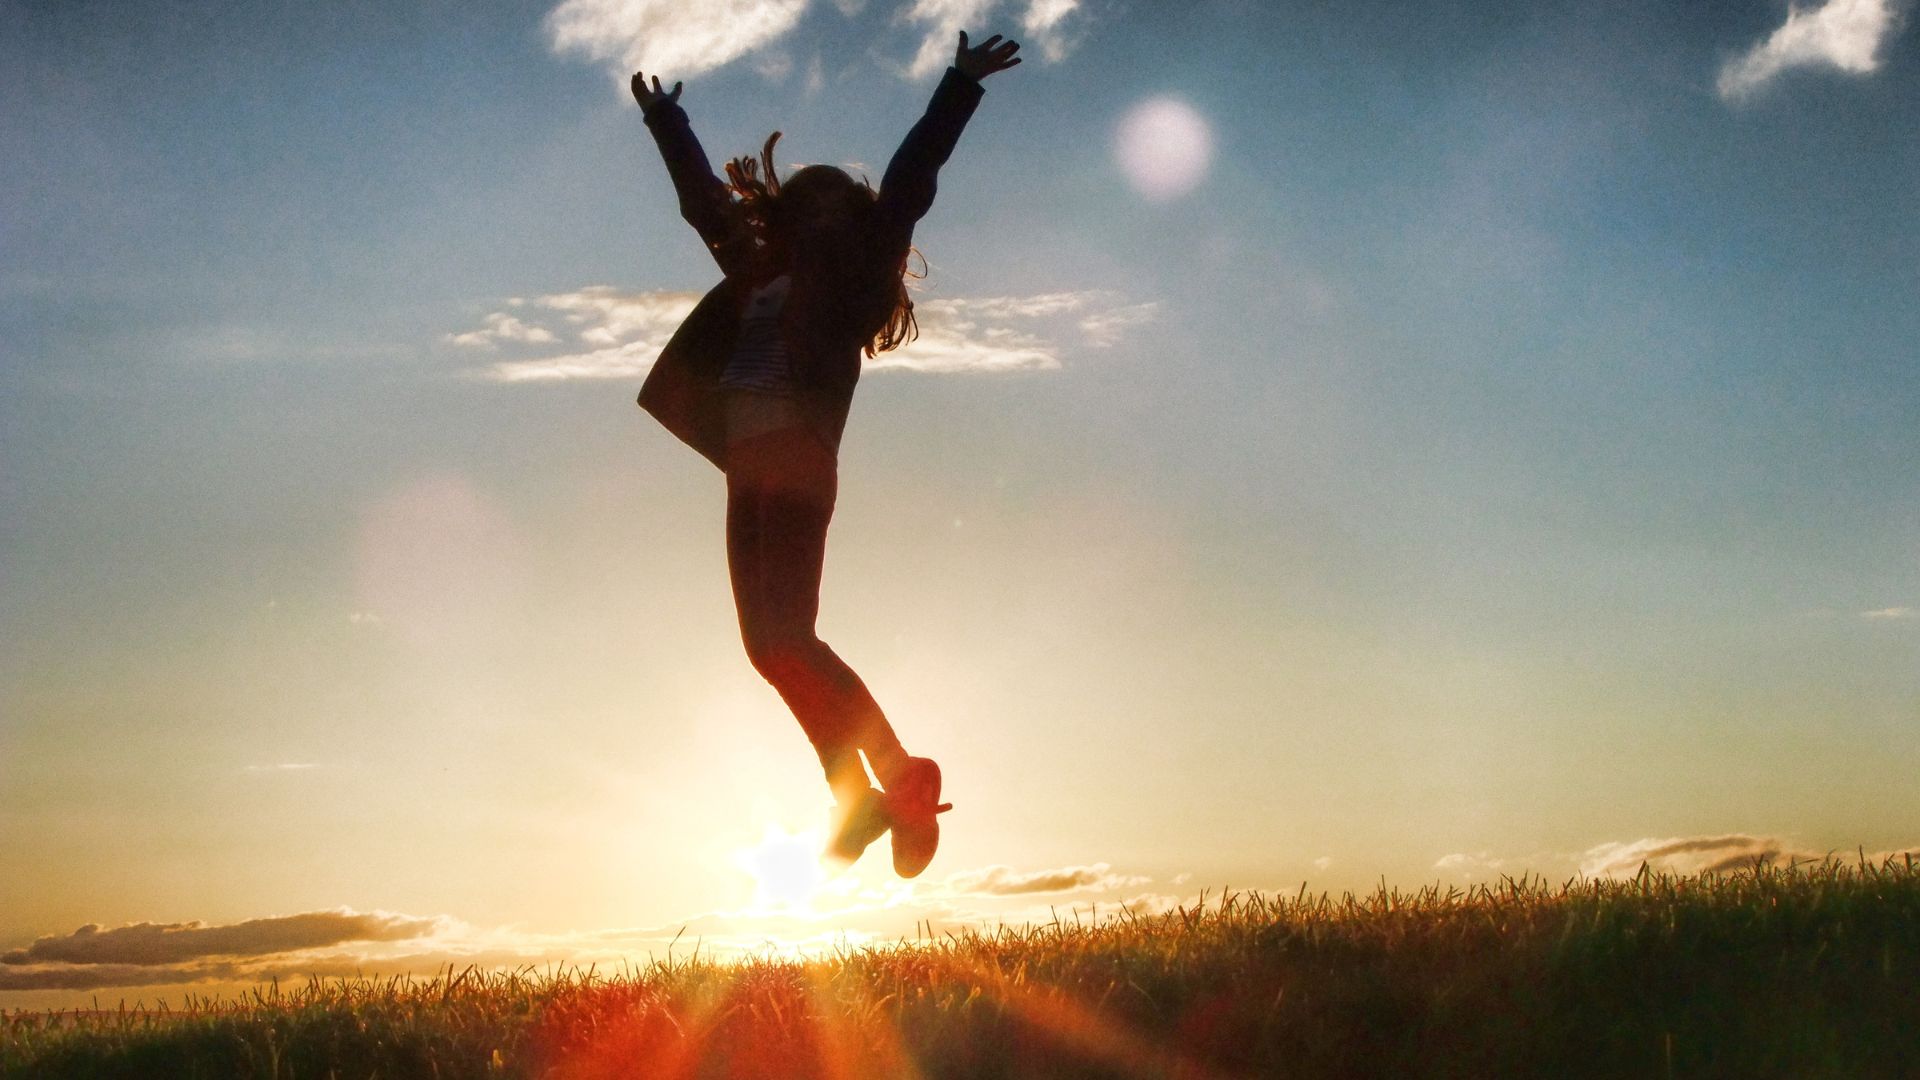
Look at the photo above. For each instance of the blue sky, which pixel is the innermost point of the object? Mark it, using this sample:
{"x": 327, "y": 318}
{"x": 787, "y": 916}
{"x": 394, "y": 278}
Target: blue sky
{"x": 1497, "y": 454}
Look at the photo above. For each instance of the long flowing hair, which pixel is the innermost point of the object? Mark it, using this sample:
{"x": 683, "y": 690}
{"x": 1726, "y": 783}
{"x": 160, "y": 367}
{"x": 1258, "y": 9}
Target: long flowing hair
{"x": 885, "y": 304}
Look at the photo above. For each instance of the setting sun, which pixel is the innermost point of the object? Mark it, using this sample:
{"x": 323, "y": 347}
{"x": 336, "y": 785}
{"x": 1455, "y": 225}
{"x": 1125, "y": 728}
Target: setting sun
{"x": 785, "y": 868}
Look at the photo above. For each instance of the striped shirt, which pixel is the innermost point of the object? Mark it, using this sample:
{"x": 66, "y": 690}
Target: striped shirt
{"x": 760, "y": 360}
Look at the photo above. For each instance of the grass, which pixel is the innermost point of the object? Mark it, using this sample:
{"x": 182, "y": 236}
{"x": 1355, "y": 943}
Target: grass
{"x": 1802, "y": 972}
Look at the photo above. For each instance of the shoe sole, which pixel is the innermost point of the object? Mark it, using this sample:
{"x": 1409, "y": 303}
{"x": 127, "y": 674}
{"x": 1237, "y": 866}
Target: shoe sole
{"x": 914, "y": 834}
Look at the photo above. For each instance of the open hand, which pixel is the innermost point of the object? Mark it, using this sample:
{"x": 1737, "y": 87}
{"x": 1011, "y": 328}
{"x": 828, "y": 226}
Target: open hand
{"x": 649, "y": 97}
{"x": 985, "y": 58}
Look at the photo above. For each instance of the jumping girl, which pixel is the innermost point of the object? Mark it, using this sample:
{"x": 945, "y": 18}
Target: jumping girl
{"x": 759, "y": 379}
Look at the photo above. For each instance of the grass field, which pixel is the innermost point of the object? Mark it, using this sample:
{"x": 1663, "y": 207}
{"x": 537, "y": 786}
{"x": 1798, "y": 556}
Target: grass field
{"x": 1807, "y": 972}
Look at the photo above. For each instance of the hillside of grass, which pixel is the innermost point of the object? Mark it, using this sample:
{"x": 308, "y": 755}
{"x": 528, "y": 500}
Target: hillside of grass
{"x": 1806, "y": 972}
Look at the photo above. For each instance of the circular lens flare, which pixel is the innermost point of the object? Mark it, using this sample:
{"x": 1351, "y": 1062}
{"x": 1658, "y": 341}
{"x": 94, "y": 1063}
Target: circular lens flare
{"x": 1164, "y": 147}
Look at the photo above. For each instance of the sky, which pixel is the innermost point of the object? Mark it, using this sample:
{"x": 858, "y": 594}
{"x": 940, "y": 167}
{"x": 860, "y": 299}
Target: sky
{"x": 1347, "y": 443}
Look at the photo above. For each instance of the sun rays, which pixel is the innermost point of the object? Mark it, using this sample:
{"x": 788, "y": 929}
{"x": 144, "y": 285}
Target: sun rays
{"x": 1049, "y": 994}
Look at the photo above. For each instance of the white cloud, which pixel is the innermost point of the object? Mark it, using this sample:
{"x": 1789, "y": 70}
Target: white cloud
{"x": 1845, "y": 35}
{"x": 672, "y": 38}
{"x": 678, "y": 40}
{"x": 943, "y": 20}
{"x": 949, "y": 341}
{"x": 499, "y": 327}
{"x": 617, "y": 362}
{"x": 1323, "y": 862}
{"x": 1470, "y": 865}
{"x": 1025, "y": 307}
{"x": 1892, "y": 613}
{"x": 604, "y": 316}
{"x": 1051, "y": 26}
{"x": 1005, "y": 333}
{"x": 774, "y": 65}
{"x": 610, "y": 334}
{"x": 1106, "y": 328}
{"x": 613, "y": 334}
{"x": 1046, "y": 23}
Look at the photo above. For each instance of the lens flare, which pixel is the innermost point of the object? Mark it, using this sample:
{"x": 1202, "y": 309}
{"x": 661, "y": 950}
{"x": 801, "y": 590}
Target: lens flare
{"x": 1164, "y": 147}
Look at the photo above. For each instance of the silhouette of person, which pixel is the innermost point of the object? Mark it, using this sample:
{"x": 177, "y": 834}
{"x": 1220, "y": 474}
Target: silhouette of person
{"x": 759, "y": 379}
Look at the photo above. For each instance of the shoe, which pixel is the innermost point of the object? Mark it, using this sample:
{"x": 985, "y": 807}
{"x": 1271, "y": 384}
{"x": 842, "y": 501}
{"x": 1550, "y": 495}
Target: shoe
{"x": 856, "y": 824}
{"x": 912, "y": 805}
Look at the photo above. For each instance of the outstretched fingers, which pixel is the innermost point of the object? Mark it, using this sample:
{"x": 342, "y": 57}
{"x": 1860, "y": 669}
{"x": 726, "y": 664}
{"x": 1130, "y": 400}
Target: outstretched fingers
{"x": 994, "y": 54}
{"x": 649, "y": 96}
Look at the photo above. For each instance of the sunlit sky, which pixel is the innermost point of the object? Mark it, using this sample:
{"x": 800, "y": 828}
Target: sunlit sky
{"x": 1348, "y": 442}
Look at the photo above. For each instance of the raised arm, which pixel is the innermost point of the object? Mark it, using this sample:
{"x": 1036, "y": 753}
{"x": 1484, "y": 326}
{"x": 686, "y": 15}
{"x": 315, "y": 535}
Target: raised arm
{"x": 704, "y": 201}
{"x": 908, "y": 186}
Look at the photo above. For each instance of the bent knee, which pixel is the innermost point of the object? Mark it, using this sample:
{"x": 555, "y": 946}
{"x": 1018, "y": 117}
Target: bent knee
{"x": 777, "y": 656}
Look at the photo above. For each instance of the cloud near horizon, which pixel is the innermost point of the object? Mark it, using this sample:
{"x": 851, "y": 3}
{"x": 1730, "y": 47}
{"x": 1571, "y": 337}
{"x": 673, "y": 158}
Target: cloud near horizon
{"x": 1721, "y": 854}
{"x": 169, "y": 943}
{"x": 1470, "y": 865}
{"x": 160, "y": 954}
{"x": 342, "y": 943}
{"x": 1681, "y": 855}
{"x": 1006, "y": 881}
{"x": 1844, "y": 35}
{"x": 609, "y": 334}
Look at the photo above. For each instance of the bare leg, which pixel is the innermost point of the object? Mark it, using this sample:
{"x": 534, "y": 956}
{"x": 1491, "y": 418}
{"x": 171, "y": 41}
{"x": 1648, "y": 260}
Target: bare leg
{"x": 780, "y": 495}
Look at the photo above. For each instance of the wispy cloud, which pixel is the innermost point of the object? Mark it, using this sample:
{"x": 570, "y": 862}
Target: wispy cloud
{"x": 1012, "y": 333}
{"x": 672, "y": 38}
{"x": 678, "y": 40}
{"x": 1053, "y": 27}
{"x": 941, "y": 21}
{"x": 1109, "y": 326}
{"x": 1844, "y": 35}
{"x": 499, "y": 327}
{"x": 609, "y": 334}
{"x": 1006, "y": 881}
{"x": 1693, "y": 855}
{"x": 1682, "y": 855}
{"x": 1892, "y": 613}
{"x": 1471, "y": 865}
{"x": 280, "y": 767}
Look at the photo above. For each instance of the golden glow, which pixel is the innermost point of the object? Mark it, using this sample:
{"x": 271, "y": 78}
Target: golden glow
{"x": 786, "y": 870}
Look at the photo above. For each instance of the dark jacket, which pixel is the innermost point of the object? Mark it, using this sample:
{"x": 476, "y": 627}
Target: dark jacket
{"x": 824, "y": 334}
